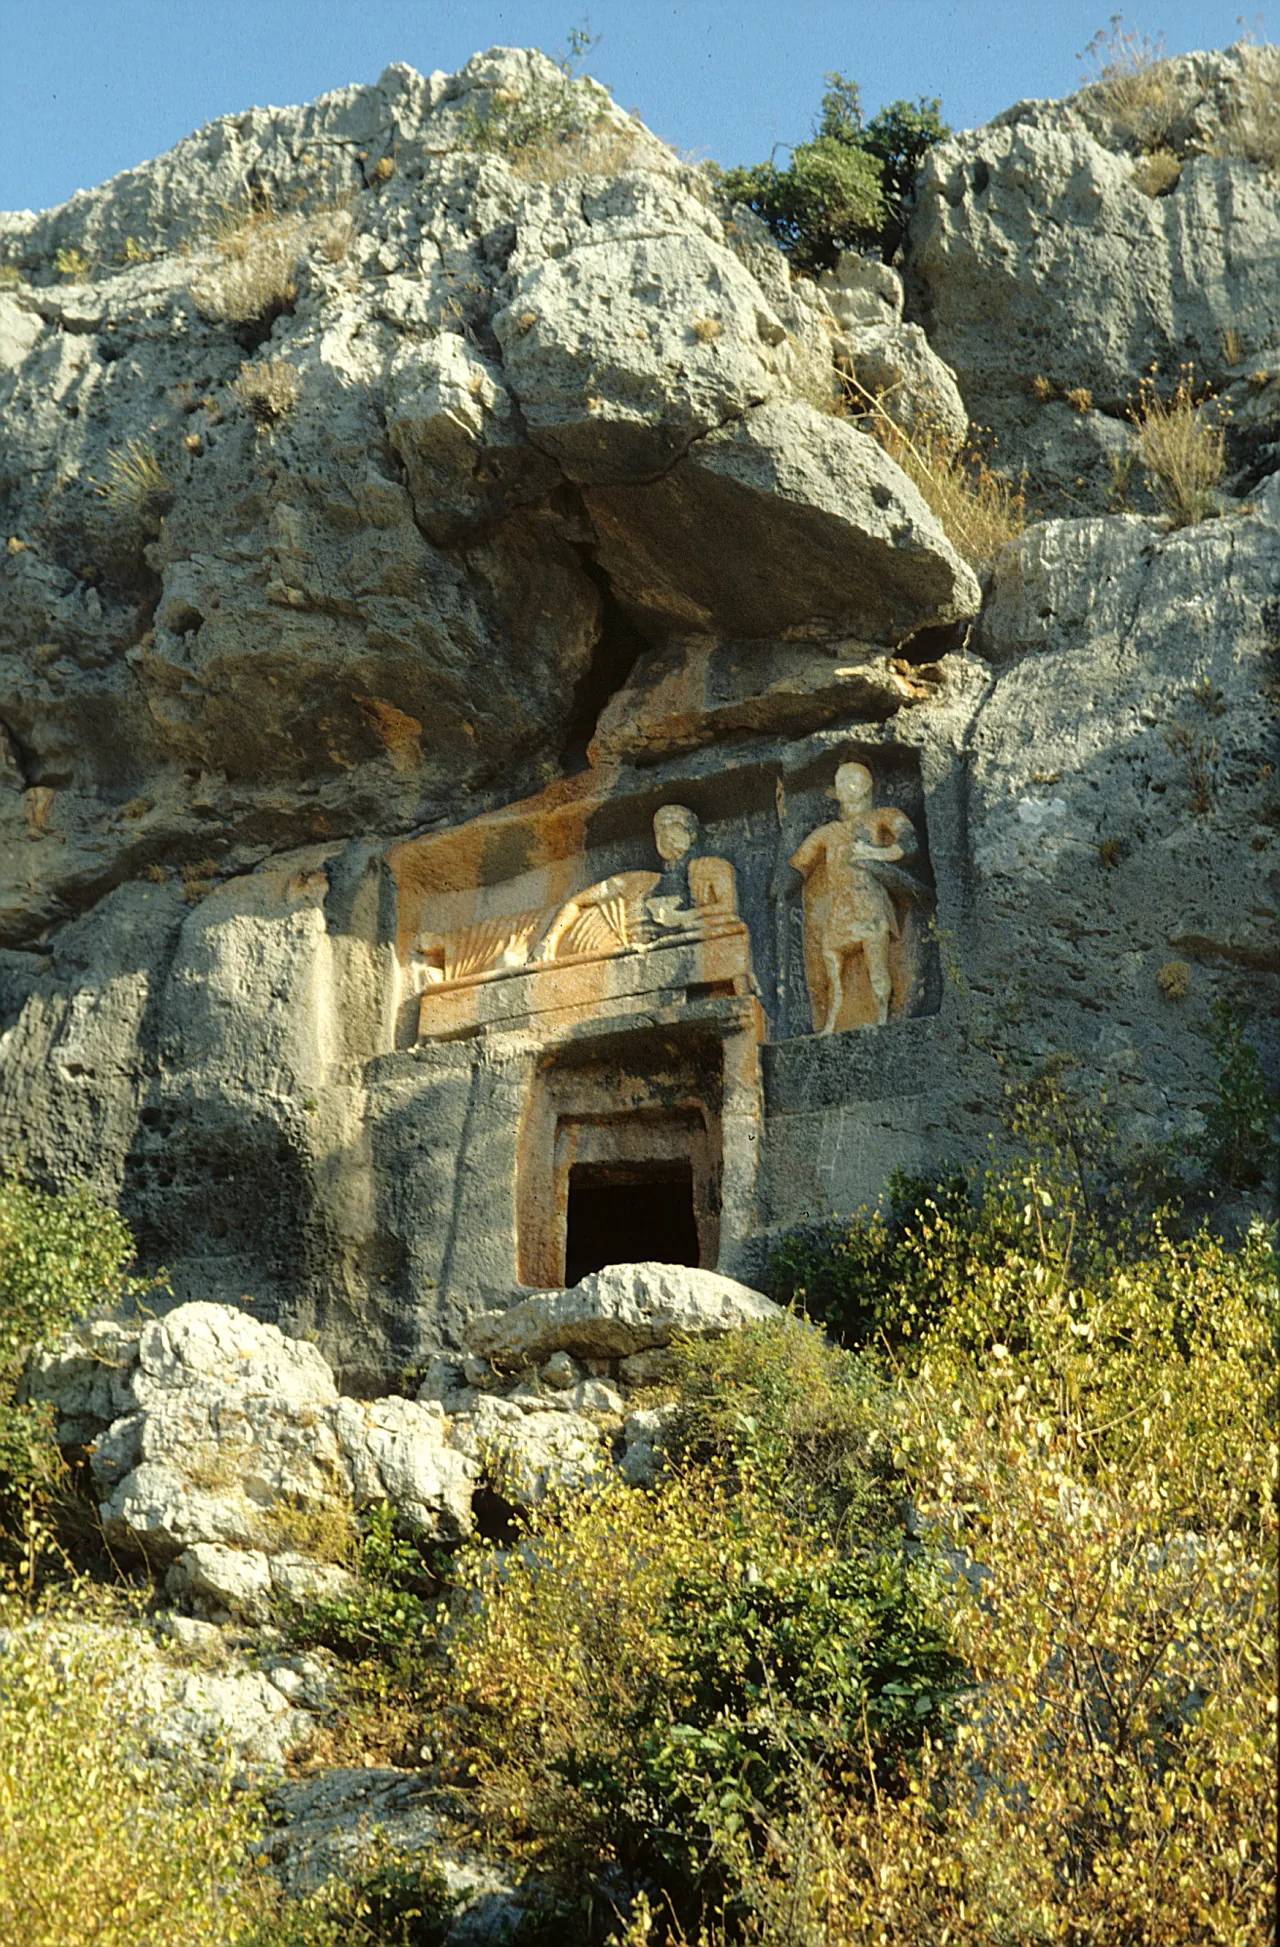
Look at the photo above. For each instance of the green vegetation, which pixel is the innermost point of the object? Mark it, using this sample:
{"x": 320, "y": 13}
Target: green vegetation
{"x": 60, "y": 1257}
{"x": 554, "y": 128}
{"x": 102, "y": 1846}
{"x": 846, "y": 188}
{"x": 959, "y": 1627}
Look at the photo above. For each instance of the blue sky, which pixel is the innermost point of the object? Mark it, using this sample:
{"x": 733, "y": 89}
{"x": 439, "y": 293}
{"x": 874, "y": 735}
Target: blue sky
{"x": 91, "y": 86}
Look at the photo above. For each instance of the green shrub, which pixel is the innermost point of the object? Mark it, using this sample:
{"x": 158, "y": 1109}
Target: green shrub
{"x": 781, "y": 1404}
{"x": 847, "y": 188}
{"x": 1084, "y": 1416}
{"x": 650, "y": 1678}
{"x": 96, "y": 1846}
{"x": 555, "y": 127}
{"x": 61, "y": 1256}
{"x": 1243, "y": 1120}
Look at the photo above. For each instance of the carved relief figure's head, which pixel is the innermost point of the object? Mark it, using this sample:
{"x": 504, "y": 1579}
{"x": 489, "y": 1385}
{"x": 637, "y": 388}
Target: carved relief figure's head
{"x": 675, "y": 832}
{"x": 853, "y": 788}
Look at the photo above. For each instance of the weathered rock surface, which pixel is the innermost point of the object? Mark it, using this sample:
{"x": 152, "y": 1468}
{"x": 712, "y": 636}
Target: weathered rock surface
{"x": 227, "y": 1584}
{"x": 384, "y": 601}
{"x": 224, "y": 1453}
{"x": 328, "y": 1823}
{"x": 214, "y": 1436}
{"x": 623, "y": 1309}
{"x": 528, "y": 1455}
{"x": 1034, "y": 252}
{"x": 194, "y": 1694}
{"x": 508, "y": 530}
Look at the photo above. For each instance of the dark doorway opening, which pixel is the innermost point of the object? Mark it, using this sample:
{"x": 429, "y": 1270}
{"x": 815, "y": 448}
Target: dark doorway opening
{"x": 628, "y": 1213}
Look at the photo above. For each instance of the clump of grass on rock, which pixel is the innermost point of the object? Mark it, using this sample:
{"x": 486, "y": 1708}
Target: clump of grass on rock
{"x": 268, "y": 390}
{"x": 1182, "y": 443}
{"x": 257, "y": 251}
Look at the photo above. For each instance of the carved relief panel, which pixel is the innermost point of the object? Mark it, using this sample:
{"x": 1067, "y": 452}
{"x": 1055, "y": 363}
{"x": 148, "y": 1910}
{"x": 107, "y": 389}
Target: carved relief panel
{"x": 801, "y": 892}
{"x": 860, "y": 896}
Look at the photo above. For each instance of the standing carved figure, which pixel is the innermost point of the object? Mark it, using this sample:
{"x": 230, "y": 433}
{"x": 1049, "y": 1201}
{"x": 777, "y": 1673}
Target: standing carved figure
{"x": 848, "y": 866}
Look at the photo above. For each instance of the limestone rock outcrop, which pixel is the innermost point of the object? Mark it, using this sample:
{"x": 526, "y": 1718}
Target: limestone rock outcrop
{"x": 223, "y": 635}
{"x": 232, "y": 1438}
{"x": 223, "y": 1452}
{"x": 1038, "y": 252}
{"x": 397, "y": 517}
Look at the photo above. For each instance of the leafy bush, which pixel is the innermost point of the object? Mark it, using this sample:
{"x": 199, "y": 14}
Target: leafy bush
{"x": 847, "y": 188}
{"x": 384, "y": 1633}
{"x": 95, "y": 1845}
{"x": 61, "y": 1256}
{"x": 782, "y": 1405}
{"x": 648, "y": 1677}
{"x": 101, "y": 1846}
{"x": 1243, "y": 1121}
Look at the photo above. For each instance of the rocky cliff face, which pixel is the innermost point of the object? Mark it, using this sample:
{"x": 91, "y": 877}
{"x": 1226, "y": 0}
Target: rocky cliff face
{"x": 371, "y": 466}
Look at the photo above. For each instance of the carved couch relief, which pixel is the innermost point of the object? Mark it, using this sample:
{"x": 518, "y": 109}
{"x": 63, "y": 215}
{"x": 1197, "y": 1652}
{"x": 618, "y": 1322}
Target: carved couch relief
{"x": 599, "y": 951}
{"x": 858, "y": 891}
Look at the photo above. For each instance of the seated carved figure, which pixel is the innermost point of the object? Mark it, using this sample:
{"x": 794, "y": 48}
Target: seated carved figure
{"x": 641, "y": 908}
{"x": 848, "y": 868}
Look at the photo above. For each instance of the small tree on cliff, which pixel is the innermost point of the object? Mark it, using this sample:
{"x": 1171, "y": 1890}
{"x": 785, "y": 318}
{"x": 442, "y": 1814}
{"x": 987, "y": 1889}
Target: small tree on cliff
{"x": 846, "y": 188}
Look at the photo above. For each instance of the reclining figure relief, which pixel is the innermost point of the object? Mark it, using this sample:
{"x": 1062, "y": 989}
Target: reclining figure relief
{"x": 691, "y": 898}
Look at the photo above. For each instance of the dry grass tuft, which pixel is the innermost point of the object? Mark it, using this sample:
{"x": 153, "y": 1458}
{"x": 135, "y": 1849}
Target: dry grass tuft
{"x": 1157, "y": 173}
{"x": 1132, "y": 82}
{"x": 258, "y": 250}
{"x": 1174, "y": 980}
{"x": 1080, "y": 399}
{"x": 1043, "y": 389}
{"x": 325, "y": 1530}
{"x": 268, "y": 390}
{"x": 135, "y": 478}
{"x": 1183, "y": 448}
{"x": 706, "y": 329}
{"x": 979, "y": 509}
{"x": 602, "y": 150}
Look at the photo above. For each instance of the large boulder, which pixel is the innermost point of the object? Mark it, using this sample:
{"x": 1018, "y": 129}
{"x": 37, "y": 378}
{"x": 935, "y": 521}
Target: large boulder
{"x": 233, "y": 1436}
{"x": 812, "y": 519}
{"x": 625, "y": 1308}
{"x": 524, "y": 1456}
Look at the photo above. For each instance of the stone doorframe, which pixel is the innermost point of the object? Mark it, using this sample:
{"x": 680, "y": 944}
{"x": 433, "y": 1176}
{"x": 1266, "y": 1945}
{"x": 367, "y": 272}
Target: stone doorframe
{"x": 684, "y": 1093}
